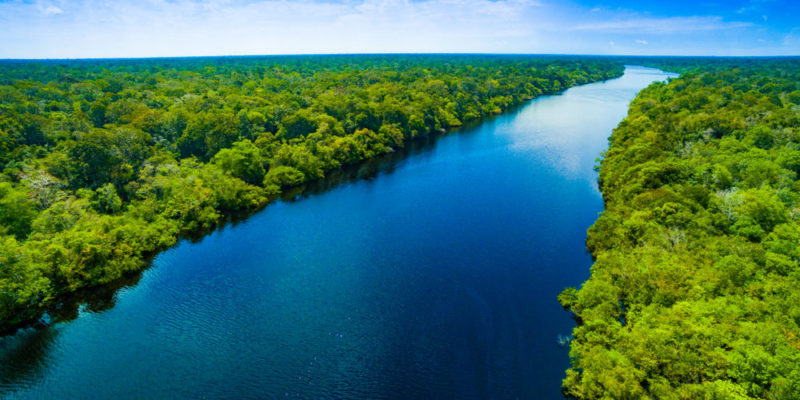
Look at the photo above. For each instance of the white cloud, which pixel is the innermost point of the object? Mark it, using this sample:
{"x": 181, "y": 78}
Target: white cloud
{"x": 611, "y": 43}
{"x": 640, "y": 41}
{"x": 668, "y": 25}
{"x": 52, "y": 10}
{"x": 48, "y": 9}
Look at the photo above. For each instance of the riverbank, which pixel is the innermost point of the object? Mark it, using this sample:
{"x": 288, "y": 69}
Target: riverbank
{"x": 693, "y": 292}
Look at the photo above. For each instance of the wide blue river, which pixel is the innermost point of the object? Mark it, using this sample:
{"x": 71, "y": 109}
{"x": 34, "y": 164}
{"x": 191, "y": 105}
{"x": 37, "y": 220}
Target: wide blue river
{"x": 430, "y": 273}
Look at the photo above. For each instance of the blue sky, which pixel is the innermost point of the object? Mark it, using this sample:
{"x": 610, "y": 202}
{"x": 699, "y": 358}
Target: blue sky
{"x": 145, "y": 28}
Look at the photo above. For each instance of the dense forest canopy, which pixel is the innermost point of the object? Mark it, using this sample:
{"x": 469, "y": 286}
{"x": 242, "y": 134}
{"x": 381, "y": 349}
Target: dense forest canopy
{"x": 694, "y": 292}
{"x": 105, "y": 162}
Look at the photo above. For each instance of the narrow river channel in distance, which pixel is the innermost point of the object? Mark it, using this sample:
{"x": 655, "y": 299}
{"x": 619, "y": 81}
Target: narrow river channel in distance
{"x": 433, "y": 275}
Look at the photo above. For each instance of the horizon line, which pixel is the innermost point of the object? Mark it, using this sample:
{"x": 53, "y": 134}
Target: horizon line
{"x": 396, "y": 54}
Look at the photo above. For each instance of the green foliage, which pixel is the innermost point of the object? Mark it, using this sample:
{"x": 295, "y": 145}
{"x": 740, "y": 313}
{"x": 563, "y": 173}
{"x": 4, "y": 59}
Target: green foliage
{"x": 284, "y": 176}
{"x": 693, "y": 294}
{"x": 243, "y": 161}
{"x": 105, "y": 199}
{"x": 17, "y": 211}
{"x": 207, "y": 133}
{"x": 23, "y": 288}
{"x": 106, "y": 162}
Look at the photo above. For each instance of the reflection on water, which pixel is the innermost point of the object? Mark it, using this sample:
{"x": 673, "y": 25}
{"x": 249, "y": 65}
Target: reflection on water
{"x": 23, "y": 355}
{"x": 429, "y": 273}
{"x": 556, "y": 127}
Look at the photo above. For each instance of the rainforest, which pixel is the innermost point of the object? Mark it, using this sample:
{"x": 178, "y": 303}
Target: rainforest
{"x": 693, "y": 291}
{"x": 693, "y": 294}
{"x": 105, "y": 163}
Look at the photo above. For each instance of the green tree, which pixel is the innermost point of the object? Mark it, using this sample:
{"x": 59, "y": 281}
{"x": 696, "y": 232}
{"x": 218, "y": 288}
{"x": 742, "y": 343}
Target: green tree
{"x": 243, "y": 161}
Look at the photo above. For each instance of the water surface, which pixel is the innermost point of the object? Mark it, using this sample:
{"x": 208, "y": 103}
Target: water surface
{"x": 433, "y": 277}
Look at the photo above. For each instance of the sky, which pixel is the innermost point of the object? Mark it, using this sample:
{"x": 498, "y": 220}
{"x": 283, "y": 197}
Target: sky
{"x": 167, "y": 28}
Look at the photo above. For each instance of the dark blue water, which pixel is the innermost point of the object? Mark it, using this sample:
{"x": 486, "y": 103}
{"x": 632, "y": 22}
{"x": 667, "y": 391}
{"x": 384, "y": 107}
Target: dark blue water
{"x": 434, "y": 277}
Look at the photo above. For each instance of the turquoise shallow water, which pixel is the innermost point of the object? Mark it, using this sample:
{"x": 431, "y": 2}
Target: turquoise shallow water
{"x": 431, "y": 274}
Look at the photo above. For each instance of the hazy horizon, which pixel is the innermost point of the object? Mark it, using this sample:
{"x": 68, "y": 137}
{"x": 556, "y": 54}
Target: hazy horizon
{"x": 393, "y": 54}
{"x": 189, "y": 28}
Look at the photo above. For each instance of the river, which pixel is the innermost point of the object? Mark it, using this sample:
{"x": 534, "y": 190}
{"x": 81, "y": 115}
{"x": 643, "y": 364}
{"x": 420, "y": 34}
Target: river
{"x": 433, "y": 274}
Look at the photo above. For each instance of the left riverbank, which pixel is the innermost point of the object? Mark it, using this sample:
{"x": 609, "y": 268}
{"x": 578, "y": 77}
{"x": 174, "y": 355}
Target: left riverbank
{"x": 111, "y": 161}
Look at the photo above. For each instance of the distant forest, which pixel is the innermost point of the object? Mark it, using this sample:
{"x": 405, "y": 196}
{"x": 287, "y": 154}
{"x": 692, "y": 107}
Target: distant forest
{"x": 105, "y": 162}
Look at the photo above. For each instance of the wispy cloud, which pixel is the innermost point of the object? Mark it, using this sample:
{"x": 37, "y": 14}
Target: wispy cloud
{"x": 50, "y": 10}
{"x": 640, "y": 41}
{"x": 754, "y": 6}
{"x": 668, "y": 25}
{"x": 46, "y": 8}
{"x": 793, "y": 38}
